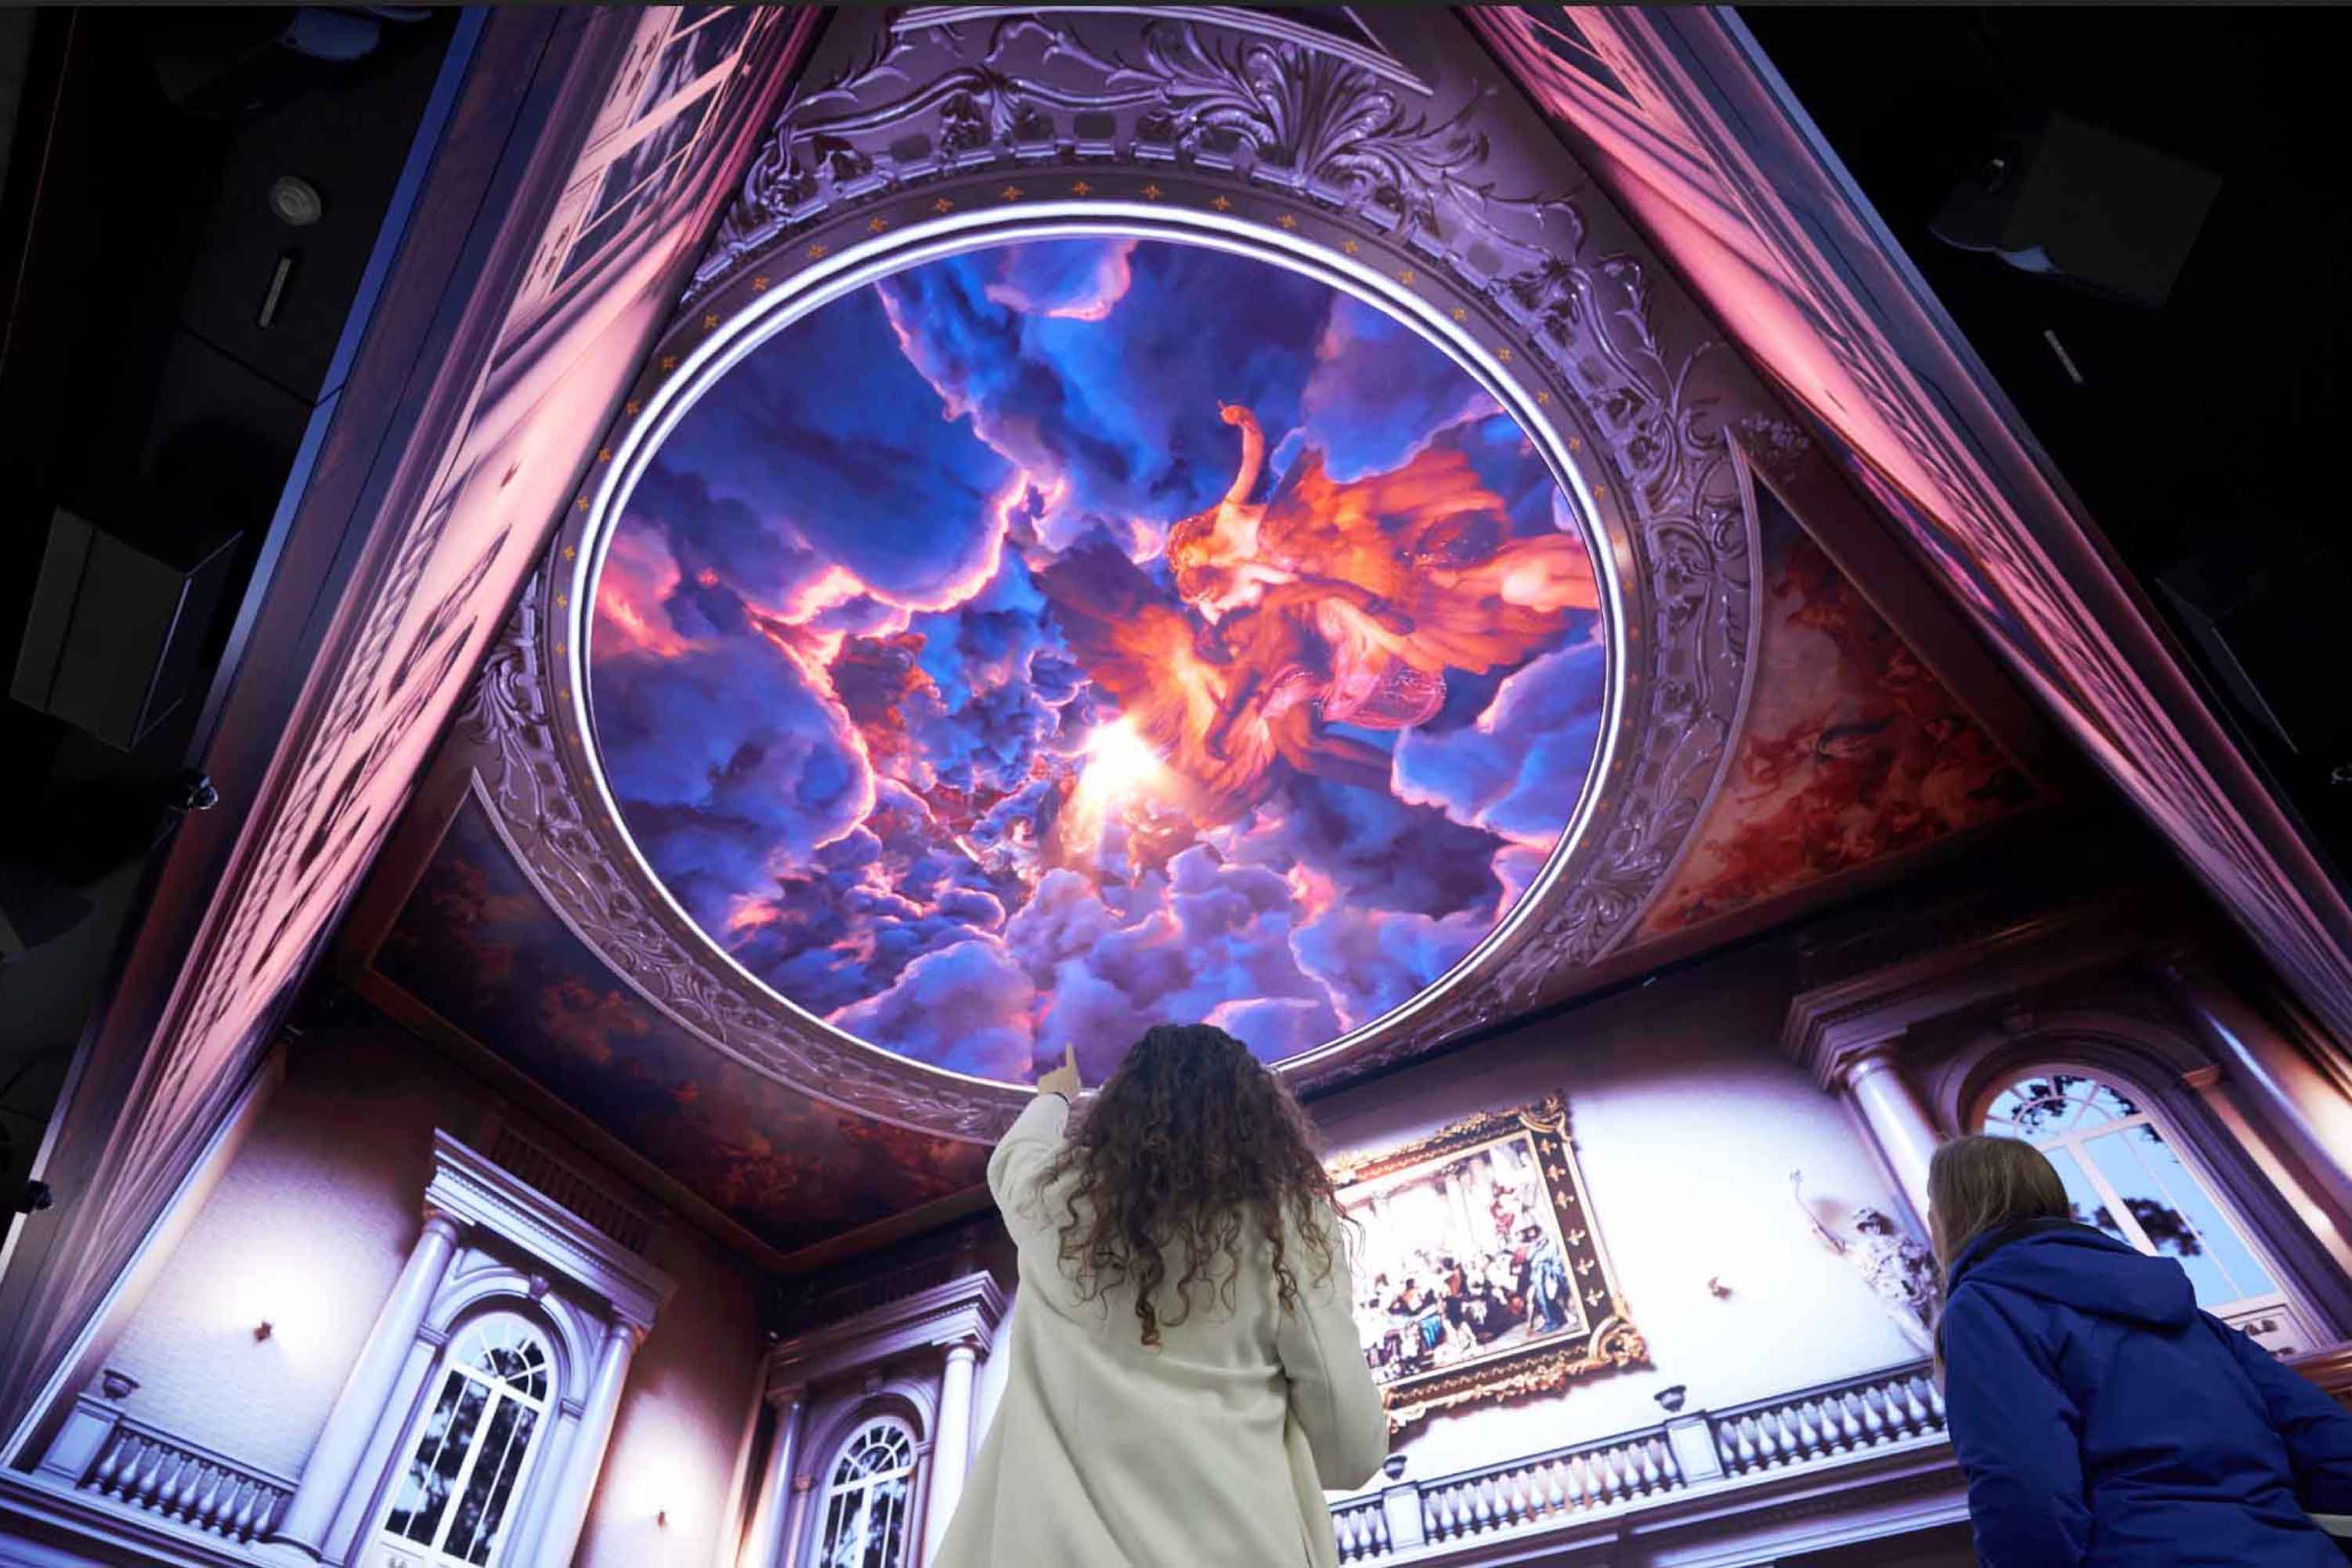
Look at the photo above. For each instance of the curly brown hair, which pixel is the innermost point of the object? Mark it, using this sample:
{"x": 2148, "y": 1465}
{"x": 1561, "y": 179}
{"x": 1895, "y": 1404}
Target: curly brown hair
{"x": 1189, "y": 1141}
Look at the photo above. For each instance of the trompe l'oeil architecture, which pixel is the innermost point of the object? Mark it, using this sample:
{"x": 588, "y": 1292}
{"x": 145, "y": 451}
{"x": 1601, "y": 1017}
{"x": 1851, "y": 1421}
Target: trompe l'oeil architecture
{"x": 891, "y": 543}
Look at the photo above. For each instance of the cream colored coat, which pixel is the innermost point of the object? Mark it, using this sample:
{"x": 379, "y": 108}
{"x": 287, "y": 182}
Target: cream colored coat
{"x": 1212, "y": 1451}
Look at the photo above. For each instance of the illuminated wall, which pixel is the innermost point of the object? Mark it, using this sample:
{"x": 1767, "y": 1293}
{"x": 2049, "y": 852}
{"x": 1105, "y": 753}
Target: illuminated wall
{"x": 308, "y": 1229}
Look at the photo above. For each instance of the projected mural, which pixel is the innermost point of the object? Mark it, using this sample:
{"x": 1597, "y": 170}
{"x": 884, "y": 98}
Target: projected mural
{"x": 1053, "y": 640}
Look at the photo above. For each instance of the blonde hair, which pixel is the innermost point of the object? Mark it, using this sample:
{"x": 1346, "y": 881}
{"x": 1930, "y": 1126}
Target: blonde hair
{"x": 1977, "y": 1183}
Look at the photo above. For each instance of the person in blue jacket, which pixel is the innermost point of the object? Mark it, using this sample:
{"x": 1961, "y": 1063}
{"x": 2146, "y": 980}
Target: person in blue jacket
{"x": 2101, "y": 1419}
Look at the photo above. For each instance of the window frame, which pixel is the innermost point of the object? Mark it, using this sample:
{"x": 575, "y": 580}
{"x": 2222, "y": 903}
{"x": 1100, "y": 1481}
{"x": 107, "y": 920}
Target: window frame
{"x": 822, "y": 1540}
{"x": 1997, "y": 1076}
{"x": 455, "y": 1360}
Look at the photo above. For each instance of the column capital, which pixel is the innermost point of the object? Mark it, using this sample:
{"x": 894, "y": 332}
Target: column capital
{"x": 1856, "y": 1063}
{"x": 964, "y": 1347}
{"x": 441, "y": 1222}
{"x": 785, "y": 1395}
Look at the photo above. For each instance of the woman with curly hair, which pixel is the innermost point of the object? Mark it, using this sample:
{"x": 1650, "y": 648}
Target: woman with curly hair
{"x": 1186, "y": 1380}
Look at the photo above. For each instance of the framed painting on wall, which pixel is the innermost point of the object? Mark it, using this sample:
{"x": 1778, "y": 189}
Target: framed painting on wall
{"x": 1479, "y": 1271}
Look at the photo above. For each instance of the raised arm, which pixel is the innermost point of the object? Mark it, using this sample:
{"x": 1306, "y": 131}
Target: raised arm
{"x": 1021, "y": 1158}
{"x": 1332, "y": 1396}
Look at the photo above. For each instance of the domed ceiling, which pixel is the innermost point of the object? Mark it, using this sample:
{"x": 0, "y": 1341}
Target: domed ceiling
{"x": 1141, "y": 517}
{"x": 1061, "y": 636}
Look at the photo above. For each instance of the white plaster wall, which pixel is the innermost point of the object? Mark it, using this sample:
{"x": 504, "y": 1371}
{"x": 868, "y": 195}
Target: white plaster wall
{"x": 309, "y": 1228}
{"x": 1688, "y": 1121}
{"x": 674, "y": 1443}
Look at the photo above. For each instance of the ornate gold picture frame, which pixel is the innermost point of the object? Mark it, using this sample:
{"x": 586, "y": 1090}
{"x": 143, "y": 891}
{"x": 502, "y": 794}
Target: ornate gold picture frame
{"x": 1480, "y": 1275}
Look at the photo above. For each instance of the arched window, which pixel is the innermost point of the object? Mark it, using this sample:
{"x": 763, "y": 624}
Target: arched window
{"x": 2123, "y": 1176}
{"x": 472, "y": 1452}
{"x": 867, "y": 1498}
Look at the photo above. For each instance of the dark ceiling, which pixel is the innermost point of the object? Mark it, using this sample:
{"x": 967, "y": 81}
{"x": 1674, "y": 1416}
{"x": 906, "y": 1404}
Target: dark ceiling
{"x": 2196, "y": 433}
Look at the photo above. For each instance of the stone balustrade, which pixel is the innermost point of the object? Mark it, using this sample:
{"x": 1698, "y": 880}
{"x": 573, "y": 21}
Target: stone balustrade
{"x": 1836, "y": 1419}
{"x": 1714, "y": 1451}
{"x": 107, "y": 1456}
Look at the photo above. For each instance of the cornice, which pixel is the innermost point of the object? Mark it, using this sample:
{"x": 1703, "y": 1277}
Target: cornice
{"x": 1832, "y": 1028}
{"x": 467, "y": 1186}
{"x": 963, "y": 1310}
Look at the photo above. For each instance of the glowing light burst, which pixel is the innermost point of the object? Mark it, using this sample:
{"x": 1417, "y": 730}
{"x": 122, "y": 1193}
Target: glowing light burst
{"x": 1120, "y": 767}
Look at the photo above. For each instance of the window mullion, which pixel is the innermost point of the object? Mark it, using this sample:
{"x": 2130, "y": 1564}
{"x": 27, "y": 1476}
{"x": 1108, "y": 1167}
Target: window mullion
{"x": 2125, "y": 1221}
{"x": 464, "y": 1475}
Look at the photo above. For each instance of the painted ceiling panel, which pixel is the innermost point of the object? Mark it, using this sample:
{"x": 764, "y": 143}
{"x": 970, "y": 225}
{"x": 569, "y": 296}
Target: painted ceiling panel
{"x": 478, "y": 944}
{"x": 1853, "y": 751}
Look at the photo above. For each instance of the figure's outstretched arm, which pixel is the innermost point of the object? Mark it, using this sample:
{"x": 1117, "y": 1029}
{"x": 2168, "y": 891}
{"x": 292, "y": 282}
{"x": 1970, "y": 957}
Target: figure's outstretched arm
{"x": 1252, "y": 451}
{"x": 1796, "y": 1191}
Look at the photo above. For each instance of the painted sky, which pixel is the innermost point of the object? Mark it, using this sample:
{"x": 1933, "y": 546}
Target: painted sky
{"x": 903, "y": 697}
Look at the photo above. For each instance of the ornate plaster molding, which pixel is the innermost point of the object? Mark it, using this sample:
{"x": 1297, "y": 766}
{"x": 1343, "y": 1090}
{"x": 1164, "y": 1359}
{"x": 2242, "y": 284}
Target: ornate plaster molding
{"x": 964, "y": 1312}
{"x": 1450, "y": 208}
{"x": 469, "y": 1187}
{"x": 1832, "y": 1028}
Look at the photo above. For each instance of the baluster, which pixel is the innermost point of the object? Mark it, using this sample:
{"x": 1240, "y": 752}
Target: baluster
{"x": 1447, "y": 1520}
{"x": 1727, "y": 1446}
{"x": 1792, "y": 1434}
{"x": 1848, "y": 1427}
{"x": 1809, "y": 1430}
{"x": 1743, "y": 1430}
{"x": 1380, "y": 1541}
{"x": 1911, "y": 1405}
{"x": 1767, "y": 1441}
{"x": 1555, "y": 1499}
{"x": 253, "y": 1501}
{"x": 182, "y": 1499}
{"x": 1872, "y": 1422}
{"x": 110, "y": 1460}
{"x": 140, "y": 1490}
{"x": 134, "y": 1455}
{"x": 1936, "y": 1403}
{"x": 1617, "y": 1481}
{"x": 206, "y": 1503}
{"x": 1482, "y": 1503}
{"x": 1898, "y": 1419}
{"x": 1523, "y": 1508}
{"x": 1649, "y": 1466}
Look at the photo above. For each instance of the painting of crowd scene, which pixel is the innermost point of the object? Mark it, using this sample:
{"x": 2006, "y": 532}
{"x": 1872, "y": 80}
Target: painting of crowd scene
{"x": 1461, "y": 1259}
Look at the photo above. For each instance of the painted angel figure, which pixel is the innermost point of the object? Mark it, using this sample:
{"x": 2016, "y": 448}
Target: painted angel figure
{"x": 1898, "y": 1270}
{"x": 1330, "y": 603}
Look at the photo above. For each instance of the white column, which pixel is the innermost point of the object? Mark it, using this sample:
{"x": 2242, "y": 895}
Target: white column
{"x": 952, "y": 1444}
{"x": 796, "y": 1525}
{"x": 301, "y": 1535}
{"x": 575, "y": 1486}
{"x": 2285, "y": 1088}
{"x": 760, "y": 1542}
{"x": 1890, "y": 1108}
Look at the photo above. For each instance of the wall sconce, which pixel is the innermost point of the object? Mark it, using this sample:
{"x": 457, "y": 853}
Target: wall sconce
{"x": 1393, "y": 1467}
{"x": 1671, "y": 1399}
{"x": 1718, "y": 1289}
{"x": 263, "y": 1332}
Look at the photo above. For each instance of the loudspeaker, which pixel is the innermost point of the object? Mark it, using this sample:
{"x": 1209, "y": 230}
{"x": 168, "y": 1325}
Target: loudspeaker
{"x": 2084, "y": 205}
{"x": 116, "y": 629}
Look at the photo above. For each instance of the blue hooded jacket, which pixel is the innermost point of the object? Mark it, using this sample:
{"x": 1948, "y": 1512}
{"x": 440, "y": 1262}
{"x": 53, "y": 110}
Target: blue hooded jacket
{"x": 2104, "y": 1421}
